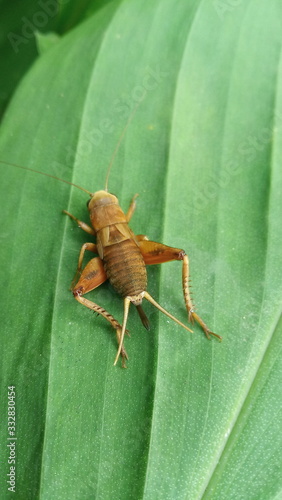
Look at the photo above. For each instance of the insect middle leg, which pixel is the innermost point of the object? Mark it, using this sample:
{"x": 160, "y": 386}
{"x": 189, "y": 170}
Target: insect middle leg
{"x": 157, "y": 253}
{"x": 92, "y": 276}
{"x": 87, "y": 246}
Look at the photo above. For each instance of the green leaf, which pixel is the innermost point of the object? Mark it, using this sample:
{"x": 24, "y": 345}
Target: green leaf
{"x": 20, "y": 20}
{"x": 45, "y": 41}
{"x": 189, "y": 418}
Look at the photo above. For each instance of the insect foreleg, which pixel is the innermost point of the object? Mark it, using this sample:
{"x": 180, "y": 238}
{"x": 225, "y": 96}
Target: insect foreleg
{"x": 81, "y": 224}
{"x": 131, "y": 209}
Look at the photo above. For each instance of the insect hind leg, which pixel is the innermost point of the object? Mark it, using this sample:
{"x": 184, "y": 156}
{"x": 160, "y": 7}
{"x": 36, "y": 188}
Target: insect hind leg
{"x": 120, "y": 335}
{"x": 157, "y": 253}
{"x": 192, "y": 315}
{"x": 92, "y": 276}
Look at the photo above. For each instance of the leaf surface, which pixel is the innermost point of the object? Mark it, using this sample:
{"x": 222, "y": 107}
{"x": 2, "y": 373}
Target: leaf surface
{"x": 189, "y": 418}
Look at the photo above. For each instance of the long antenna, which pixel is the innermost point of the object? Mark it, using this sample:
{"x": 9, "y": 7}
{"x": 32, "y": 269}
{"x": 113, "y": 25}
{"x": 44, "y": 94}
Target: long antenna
{"x": 119, "y": 142}
{"x": 47, "y": 175}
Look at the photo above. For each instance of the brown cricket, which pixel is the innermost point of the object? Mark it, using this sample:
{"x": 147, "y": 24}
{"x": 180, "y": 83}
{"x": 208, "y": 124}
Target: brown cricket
{"x": 122, "y": 258}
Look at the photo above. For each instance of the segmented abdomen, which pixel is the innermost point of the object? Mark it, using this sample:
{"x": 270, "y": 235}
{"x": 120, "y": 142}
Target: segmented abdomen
{"x": 125, "y": 268}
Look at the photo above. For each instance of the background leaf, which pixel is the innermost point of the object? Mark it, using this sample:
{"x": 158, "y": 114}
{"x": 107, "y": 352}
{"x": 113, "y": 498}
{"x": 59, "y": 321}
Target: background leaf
{"x": 20, "y": 20}
{"x": 189, "y": 418}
